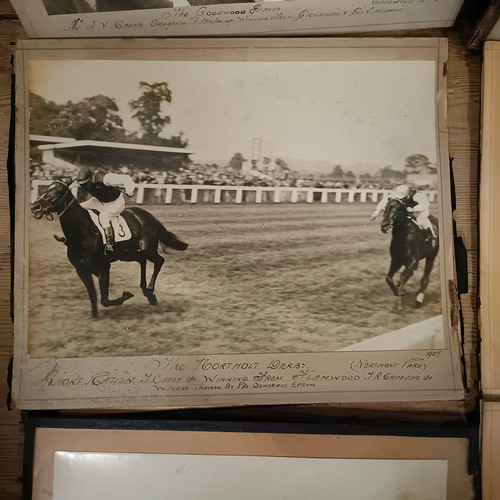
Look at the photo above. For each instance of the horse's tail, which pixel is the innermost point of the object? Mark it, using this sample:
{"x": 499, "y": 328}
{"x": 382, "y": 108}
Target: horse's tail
{"x": 165, "y": 237}
{"x": 170, "y": 240}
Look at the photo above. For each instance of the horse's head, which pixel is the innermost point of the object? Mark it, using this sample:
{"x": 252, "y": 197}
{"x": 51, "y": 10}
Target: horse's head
{"x": 394, "y": 211}
{"x": 53, "y": 202}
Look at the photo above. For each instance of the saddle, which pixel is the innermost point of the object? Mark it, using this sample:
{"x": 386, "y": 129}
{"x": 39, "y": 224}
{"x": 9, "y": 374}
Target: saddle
{"x": 426, "y": 232}
{"x": 119, "y": 224}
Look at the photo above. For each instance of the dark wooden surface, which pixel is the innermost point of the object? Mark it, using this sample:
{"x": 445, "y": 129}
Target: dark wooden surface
{"x": 464, "y": 119}
{"x": 11, "y": 432}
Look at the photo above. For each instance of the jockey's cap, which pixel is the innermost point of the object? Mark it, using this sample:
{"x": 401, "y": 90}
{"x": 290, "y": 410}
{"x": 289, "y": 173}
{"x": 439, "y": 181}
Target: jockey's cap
{"x": 401, "y": 191}
{"x": 84, "y": 175}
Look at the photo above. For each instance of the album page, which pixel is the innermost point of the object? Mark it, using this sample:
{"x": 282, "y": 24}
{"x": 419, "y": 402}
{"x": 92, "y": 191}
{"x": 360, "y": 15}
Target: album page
{"x": 173, "y": 18}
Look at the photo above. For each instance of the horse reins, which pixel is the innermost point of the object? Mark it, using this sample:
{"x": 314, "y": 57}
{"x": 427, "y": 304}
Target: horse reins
{"x": 59, "y": 215}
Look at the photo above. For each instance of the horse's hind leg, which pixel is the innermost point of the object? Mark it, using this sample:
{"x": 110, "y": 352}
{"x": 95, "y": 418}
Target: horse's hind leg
{"x": 157, "y": 261}
{"x": 143, "y": 264}
{"x": 104, "y": 289}
{"x": 147, "y": 290}
{"x": 424, "y": 282}
{"x": 406, "y": 275}
{"x": 88, "y": 281}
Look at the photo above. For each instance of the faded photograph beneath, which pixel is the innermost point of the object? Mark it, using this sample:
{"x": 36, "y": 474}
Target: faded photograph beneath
{"x": 81, "y": 475}
{"x": 57, "y": 7}
{"x": 187, "y": 207}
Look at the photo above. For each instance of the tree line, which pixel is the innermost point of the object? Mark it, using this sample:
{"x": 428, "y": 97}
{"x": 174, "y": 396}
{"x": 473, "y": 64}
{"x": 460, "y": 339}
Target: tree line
{"x": 98, "y": 118}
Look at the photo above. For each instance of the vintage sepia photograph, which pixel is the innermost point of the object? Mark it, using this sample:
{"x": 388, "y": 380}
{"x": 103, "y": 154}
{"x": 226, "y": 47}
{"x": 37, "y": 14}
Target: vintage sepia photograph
{"x": 214, "y": 220}
{"x": 284, "y": 206}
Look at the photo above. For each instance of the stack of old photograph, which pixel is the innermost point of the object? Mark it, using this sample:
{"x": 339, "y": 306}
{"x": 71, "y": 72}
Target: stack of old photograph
{"x": 224, "y": 222}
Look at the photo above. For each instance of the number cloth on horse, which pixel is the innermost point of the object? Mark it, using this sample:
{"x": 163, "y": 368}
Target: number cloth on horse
{"x": 119, "y": 224}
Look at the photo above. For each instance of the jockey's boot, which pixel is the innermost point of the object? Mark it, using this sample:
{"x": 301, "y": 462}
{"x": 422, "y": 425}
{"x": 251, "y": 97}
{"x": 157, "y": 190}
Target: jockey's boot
{"x": 430, "y": 234}
{"x": 110, "y": 241}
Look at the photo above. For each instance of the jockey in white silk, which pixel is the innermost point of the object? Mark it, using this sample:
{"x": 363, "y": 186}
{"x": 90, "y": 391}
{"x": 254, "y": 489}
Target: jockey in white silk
{"x": 400, "y": 193}
{"x": 420, "y": 211}
{"x": 107, "y": 191}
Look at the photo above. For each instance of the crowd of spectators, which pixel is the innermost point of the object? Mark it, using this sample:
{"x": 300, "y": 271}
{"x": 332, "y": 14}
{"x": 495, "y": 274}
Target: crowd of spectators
{"x": 213, "y": 175}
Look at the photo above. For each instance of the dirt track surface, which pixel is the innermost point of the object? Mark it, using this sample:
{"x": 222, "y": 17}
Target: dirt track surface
{"x": 256, "y": 278}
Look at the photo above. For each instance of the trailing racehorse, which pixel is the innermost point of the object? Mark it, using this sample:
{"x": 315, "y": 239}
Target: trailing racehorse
{"x": 409, "y": 245}
{"x": 85, "y": 247}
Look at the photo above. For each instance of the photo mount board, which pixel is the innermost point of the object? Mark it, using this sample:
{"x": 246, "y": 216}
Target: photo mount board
{"x": 297, "y": 17}
{"x": 211, "y": 379}
{"x": 489, "y": 214}
{"x": 60, "y": 452}
{"x": 490, "y": 449}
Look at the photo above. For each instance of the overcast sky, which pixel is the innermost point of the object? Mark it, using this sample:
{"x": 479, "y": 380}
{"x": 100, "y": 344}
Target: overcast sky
{"x": 348, "y": 113}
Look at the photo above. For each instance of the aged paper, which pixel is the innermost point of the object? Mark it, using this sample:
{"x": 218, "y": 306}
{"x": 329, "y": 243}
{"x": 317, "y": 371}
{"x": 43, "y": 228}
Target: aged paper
{"x": 490, "y": 454}
{"x": 392, "y": 466}
{"x": 489, "y": 267}
{"x": 296, "y": 285}
{"x": 167, "y": 18}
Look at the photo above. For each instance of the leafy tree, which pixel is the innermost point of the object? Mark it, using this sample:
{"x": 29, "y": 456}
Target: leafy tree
{"x": 98, "y": 118}
{"x": 236, "y": 162}
{"x": 386, "y": 172}
{"x": 43, "y": 115}
{"x": 148, "y": 110}
{"x": 92, "y": 118}
{"x": 338, "y": 172}
{"x": 417, "y": 163}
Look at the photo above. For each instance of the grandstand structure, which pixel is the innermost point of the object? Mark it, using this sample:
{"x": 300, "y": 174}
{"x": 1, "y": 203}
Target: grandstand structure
{"x": 62, "y": 156}
{"x": 65, "y": 155}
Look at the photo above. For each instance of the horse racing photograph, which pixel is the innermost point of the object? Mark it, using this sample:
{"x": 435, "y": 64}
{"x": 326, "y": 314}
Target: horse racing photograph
{"x": 195, "y": 207}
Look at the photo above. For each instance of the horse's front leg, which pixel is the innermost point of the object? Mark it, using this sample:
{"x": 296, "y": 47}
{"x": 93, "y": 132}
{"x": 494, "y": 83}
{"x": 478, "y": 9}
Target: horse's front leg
{"x": 158, "y": 262}
{"x": 389, "y": 279}
{"x": 88, "y": 281}
{"x": 103, "y": 278}
{"x": 424, "y": 282}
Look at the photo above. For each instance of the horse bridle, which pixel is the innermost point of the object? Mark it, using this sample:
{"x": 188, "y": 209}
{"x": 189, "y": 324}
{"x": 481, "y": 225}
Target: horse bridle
{"x": 391, "y": 225}
{"x": 50, "y": 216}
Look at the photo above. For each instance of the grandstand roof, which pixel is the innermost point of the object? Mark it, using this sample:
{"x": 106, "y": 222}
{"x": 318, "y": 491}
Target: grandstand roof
{"x": 110, "y": 146}
{"x": 49, "y": 139}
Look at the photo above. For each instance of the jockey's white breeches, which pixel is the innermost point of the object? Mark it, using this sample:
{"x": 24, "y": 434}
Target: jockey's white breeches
{"x": 422, "y": 219}
{"x": 107, "y": 211}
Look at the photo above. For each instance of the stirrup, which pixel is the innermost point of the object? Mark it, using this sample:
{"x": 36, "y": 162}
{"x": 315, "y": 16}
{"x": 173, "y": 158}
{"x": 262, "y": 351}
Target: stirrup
{"x": 108, "y": 249}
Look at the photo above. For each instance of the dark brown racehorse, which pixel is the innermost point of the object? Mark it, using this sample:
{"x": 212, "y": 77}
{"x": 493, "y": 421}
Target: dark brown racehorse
{"x": 409, "y": 245}
{"x": 86, "y": 248}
